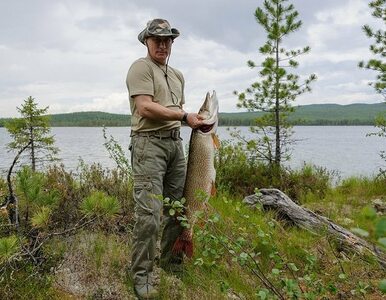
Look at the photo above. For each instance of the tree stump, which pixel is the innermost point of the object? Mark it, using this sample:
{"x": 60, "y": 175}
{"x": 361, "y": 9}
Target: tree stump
{"x": 278, "y": 201}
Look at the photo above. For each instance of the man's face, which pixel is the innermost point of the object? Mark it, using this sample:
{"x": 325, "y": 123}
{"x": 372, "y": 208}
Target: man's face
{"x": 159, "y": 48}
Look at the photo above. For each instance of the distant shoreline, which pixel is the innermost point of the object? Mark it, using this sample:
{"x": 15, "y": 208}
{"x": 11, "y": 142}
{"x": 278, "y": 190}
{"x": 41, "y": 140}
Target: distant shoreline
{"x": 231, "y": 126}
{"x": 307, "y": 115}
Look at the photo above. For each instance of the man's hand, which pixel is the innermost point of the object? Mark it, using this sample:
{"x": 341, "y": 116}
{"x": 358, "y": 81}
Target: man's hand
{"x": 194, "y": 120}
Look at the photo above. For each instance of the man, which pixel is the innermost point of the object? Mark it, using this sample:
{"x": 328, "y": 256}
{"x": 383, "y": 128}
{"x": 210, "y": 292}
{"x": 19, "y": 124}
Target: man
{"x": 156, "y": 98}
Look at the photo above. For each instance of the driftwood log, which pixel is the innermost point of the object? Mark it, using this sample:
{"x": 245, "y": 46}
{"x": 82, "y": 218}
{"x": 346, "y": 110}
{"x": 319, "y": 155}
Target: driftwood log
{"x": 290, "y": 211}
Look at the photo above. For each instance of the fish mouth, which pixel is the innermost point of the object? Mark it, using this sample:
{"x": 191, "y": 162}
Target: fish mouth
{"x": 206, "y": 128}
{"x": 209, "y": 111}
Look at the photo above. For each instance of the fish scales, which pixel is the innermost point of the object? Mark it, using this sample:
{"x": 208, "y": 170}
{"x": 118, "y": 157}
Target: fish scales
{"x": 200, "y": 175}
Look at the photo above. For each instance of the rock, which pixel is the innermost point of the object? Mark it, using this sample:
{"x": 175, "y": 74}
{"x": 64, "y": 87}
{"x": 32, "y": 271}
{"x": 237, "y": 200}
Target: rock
{"x": 379, "y": 205}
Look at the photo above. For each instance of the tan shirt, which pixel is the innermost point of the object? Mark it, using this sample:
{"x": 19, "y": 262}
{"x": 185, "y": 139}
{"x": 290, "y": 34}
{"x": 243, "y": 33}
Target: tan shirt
{"x": 147, "y": 78}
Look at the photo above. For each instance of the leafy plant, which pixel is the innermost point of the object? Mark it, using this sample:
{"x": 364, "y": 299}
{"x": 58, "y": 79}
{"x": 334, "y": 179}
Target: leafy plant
{"x": 116, "y": 153}
{"x": 176, "y": 209}
{"x": 377, "y": 231}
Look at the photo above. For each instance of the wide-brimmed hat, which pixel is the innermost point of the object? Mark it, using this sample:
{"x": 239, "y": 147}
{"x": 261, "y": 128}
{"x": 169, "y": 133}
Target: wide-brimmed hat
{"x": 158, "y": 27}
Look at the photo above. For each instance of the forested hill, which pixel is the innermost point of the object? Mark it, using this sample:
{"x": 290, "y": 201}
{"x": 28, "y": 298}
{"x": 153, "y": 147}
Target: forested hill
{"x": 315, "y": 114}
{"x": 90, "y": 118}
{"x": 334, "y": 114}
{"x": 318, "y": 114}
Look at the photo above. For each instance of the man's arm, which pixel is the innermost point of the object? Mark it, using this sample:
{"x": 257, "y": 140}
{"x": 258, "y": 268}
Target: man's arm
{"x": 152, "y": 110}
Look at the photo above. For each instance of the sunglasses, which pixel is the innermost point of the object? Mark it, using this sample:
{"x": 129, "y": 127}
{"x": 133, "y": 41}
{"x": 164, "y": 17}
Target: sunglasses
{"x": 167, "y": 41}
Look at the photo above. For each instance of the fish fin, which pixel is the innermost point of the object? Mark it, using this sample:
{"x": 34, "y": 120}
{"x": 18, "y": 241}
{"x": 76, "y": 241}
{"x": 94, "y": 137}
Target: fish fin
{"x": 179, "y": 246}
{"x": 183, "y": 244}
{"x": 216, "y": 141}
{"x": 189, "y": 249}
{"x": 213, "y": 190}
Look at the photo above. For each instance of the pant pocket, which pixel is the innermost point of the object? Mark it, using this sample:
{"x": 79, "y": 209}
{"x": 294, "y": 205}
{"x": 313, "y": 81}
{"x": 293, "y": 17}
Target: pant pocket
{"x": 138, "y": 147}
{"x": 145, "y": 200}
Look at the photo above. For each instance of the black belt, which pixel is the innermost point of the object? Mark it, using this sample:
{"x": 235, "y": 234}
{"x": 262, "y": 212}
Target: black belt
{"x": 162, "y": 134}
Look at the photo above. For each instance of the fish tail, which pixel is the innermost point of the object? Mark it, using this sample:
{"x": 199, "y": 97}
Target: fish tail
{"x": 183, "y": 244}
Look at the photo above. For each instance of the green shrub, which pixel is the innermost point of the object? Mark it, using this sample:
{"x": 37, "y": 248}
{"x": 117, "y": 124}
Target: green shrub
{"x": 364, "y": 186}
{"x": 113, "y": 182}
{"x": 34, "y": 196}
{"x": 74, "y": 188}
{"x": 239, "y": 172}
{"x": 100, "y": 205}
{"x": 30, "y": 283}
{"x": 309, "y": 181}
{"x": 8, "y": 246}
{"x": 42, "y": 217}
{"x": 70, "y": 195}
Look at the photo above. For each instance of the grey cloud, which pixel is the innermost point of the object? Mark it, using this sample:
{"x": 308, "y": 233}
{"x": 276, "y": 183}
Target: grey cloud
{"x": 98, "y": 23}
{"x": 31, "y": 25}
{"x": 231, "y": 23}
{"x": 82, "y": 48}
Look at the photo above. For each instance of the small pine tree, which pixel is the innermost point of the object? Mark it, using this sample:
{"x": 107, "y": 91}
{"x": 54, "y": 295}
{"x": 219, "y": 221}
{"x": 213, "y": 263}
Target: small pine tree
{"x": 277, "y": 88}
{"x": 32, "y": 129}
{"x": 378, "y": 63}
{"x": 378, "y": 49}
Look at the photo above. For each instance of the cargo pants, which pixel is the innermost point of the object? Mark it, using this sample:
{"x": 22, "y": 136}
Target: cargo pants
{"x": 159, "y": 168}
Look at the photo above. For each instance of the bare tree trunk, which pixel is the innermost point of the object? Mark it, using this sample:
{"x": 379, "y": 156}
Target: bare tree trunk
{"x": 277, "y": 114}
{"x": 305, "y": 218}
{"x": 277, "y": 104}
{"x": 12, "y": 204}
{"x": 33, "y": 160}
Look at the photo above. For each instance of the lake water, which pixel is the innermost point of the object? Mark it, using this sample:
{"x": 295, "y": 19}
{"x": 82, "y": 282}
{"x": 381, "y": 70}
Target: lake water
{"x": 345, "y": 149}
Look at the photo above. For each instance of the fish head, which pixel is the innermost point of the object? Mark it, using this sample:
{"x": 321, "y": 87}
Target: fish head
{"x": 209, "y": 111}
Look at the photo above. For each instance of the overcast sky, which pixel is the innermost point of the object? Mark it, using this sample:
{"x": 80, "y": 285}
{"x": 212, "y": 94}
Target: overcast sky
{"x": 74, "y": 55}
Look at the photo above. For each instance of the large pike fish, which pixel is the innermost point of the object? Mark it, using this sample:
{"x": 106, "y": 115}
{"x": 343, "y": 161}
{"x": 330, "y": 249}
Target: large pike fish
{"x": 200, "y": 176}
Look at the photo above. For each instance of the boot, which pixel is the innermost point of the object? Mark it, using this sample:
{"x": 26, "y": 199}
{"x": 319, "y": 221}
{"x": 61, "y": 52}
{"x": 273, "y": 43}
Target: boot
{"x": 146, "y": 291}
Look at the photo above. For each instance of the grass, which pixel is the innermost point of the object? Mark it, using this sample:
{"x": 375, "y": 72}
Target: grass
{"x": 351, "y": 204}
{"x": 313, "y": 255}
{"x": 238, "y": 250}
